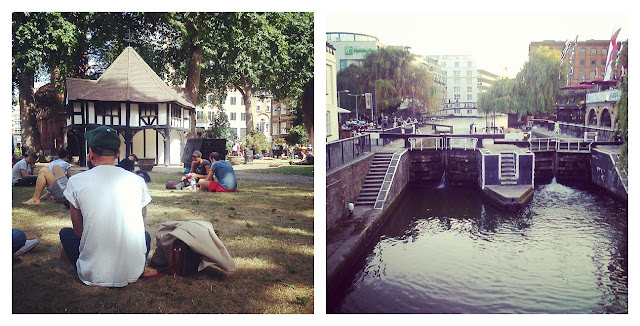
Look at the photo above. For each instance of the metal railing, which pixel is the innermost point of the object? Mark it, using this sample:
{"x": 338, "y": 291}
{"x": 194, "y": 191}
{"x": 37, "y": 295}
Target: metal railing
{"x": 539, "y": 144}
{"x": 462, "y": 143}
{"x": 346, "y": 150}
{"x": 427, "y": 143}
{"x": 573, "y": 145}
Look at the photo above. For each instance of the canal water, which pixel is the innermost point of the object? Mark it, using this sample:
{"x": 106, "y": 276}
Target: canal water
{"x": 444, "y": 250}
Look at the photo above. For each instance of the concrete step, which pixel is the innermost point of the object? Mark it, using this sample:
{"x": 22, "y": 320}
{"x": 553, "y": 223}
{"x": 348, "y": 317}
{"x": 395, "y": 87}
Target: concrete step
{"x": 509, "y": 183}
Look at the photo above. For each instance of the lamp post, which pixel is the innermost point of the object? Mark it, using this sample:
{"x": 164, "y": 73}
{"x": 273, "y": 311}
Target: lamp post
{"x": 343, "y": 91}
{"x": 356, "y": 96}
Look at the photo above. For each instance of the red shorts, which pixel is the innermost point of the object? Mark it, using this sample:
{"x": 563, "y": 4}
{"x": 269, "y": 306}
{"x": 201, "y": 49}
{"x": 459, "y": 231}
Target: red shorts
{"x": 215, "y": 187}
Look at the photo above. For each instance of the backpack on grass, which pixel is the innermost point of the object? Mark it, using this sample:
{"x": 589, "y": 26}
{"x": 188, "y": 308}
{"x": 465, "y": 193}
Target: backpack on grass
{"x": 182, "y": 260}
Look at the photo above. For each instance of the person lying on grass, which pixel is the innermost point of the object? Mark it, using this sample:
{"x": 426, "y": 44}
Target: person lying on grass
{"x": 224, "y": 174}
{"x": 54, "y": 178}
{"x": 108, "y": 243}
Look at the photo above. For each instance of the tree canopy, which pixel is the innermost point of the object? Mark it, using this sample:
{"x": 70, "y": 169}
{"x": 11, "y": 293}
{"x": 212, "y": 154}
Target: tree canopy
{"x": 535, "y": 88}
{"x": 395, "y": 77}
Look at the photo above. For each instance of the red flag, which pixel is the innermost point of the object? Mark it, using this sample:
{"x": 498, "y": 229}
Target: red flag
{"x": 613, "y": 50}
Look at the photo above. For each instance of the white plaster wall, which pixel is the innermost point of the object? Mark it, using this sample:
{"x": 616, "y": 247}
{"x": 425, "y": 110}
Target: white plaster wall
{"x": 135, "y": 115}
{"x": 162, "y": 114}
{"x": 175, "y": 150}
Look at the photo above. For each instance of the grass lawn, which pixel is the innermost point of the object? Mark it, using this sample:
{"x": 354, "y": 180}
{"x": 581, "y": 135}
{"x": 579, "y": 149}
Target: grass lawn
{"x": 267, "y": 228}
{"x": 304, "y": 170}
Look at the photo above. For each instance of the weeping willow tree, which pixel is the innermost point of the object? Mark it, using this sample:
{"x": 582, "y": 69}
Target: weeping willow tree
{"x": 623, "y": 108}
{"x": 535, "y": 88}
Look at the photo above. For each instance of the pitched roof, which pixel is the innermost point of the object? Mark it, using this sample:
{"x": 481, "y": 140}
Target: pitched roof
{"x": 128, "y": 78}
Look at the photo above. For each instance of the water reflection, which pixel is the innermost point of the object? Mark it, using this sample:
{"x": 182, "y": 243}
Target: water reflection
{"x": 445, "y": 251}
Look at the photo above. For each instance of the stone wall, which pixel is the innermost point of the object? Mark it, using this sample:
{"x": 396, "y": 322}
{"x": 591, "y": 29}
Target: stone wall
{"x": 426, "y": 166}
{"x": 343, "y": 187}
{"x": 573, "y": 167}
{"x": 461, "y": 167}
{"x": 604, "y": 174}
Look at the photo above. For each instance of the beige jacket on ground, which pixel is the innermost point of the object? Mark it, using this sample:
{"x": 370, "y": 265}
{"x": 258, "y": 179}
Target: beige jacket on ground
{"x": 200, "y": 237}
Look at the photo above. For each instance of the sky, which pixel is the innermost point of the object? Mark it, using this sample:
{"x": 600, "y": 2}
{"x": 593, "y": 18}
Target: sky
{"x": 496, "y": 40}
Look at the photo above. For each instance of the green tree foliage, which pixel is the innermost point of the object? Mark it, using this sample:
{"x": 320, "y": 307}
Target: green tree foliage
{"x": 40, "y": 41}
{"x": 396, "y": 79}
{"x": 256, "y": 140}
{"x": 535, "y": 88}
{"x": 220, "y": 128}
{"x": 297, "y": 135}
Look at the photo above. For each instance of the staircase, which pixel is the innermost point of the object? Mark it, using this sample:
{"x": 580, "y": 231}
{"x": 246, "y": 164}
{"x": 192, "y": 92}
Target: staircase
{"x": 508, "y": 169}
{"x": 375, "y": 177}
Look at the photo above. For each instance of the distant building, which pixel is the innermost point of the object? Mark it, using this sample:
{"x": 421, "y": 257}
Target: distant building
{"x": 281, "y": 120}
{"x": 352, "y": 48}
{"x": 485, "y": 80}
{"x": 589, "y": 59}
{"x": 439, "y": 79}
{"x": 233, "y": 106}
{"x": 461, "y": 75}
{"x": 331, "y": 94}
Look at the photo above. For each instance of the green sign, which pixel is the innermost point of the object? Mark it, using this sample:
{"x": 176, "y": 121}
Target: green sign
{"x": 349, "y": 50}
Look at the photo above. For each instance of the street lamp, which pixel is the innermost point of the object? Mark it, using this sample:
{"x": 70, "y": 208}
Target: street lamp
{"x": 343, "y": 91}
{"x": 356, "y": 95}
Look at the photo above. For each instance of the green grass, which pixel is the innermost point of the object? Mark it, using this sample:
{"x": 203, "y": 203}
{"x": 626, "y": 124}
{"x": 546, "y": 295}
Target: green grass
{"x": 267, "y": 228}
{"x": 303, "y": 170}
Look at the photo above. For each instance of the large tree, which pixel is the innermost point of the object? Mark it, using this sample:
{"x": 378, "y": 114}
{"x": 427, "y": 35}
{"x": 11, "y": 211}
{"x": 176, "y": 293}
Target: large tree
{"x": 41, "y": 43}
{"x": 623, "y": 106}
{"x": 535, "y": 88}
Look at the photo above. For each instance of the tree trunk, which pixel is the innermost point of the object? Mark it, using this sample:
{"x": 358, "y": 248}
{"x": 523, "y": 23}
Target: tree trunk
{"x": 193, "y": 81}
{"x": 247, "y": 109}
{"x": 28, "y": 122}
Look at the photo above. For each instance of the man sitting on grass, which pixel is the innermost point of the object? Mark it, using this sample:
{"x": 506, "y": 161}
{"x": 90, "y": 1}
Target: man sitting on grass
{"x": 128, "y": 163}
{"x": 55, "y": 178}
{"x": 199, "y": 167}
{"x": 108, "y": 243}
{"x": 224, "y": 174}
{"x": 22, "y": 172}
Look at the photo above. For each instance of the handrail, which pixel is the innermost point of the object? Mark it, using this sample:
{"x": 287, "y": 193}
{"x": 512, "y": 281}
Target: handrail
{"x": 346, "y": 150}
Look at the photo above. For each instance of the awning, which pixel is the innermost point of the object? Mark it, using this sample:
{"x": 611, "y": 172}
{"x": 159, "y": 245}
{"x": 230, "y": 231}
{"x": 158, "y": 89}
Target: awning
{"x": 341, "y": 110}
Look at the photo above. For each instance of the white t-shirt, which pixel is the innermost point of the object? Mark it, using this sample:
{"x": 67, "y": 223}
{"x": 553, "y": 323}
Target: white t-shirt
{"x": 64, "y": 165}
{"x": 16, "y": 173}
{"x": 112, "y": 246}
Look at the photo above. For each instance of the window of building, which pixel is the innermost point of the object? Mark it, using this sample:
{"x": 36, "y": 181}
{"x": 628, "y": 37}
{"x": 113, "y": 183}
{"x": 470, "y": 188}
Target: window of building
{"x": 469, "y": 81}
{"x": 283, "y": 128}
{"x": 241, "y": 100}
{"x": 592, "y": 74}
{"x": 469, "y": 73}
{"x": 224, "y": 101}
{"x": 582, "y": 63}
{"x": 456, "y": 89}
{"x": 210, "y": 98}
{"x": 108, "y": 109}
{"x": 456, "y": 81}
{"x": 328, "y": 124}
{"x": 457, "y": 64}
{"x": 151, "y": 109}
{"x": 258, "y": 108}
{"x": 469, "y": 89}
{"x": 243, "y": 117}
{"x": 274, "y": 127}
{"x": 469, "y": 97}
{"x": 604, "y": 51}
{"x": 232, "y": 100}
{"x": 211, "y": 115}
{"x": 593, "y": 63}
{"x": 593, "y": 51}
{"x": 583, "y": 51}
{"x": 456, "y": 73}
{"x": 456, "y": 97}
{"x": 581, "y": 74}
{"x": 268, "y": 108}
{"x": 199, "y": 115}
{"x": 603, "y": 62}
{"x": 343, "y": 63}
{"x": 243, "y": 132}
{"x": 232, "y": 116}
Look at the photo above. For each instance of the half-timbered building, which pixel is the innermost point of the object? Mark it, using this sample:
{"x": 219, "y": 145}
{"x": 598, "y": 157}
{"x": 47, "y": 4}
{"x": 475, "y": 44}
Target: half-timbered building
{"x": 152, "y": 118}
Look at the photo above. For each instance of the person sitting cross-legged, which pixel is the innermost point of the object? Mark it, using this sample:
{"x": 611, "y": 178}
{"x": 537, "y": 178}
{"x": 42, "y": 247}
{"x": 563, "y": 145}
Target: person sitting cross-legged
{"x": 224, "y": 174}
{"x": 107, "y": 243}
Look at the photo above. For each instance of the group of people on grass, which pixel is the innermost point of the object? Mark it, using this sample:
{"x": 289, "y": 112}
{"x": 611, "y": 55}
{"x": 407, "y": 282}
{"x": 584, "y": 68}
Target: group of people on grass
{"x": 107, "y": 243}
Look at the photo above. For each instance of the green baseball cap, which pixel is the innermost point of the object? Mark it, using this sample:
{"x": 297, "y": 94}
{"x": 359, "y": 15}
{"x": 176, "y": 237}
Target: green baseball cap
{"x": 103, "y": 140}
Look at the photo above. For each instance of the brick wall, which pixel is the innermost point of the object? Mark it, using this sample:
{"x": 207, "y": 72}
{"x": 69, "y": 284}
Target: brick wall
{"x": 343, "y": 187}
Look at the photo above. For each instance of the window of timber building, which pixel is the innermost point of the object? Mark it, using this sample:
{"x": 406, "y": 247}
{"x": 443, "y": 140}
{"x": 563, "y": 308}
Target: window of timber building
{"x": 108, "y": 109}
{"x": 176, "y": 111}
{"x": 150, "y": 109}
